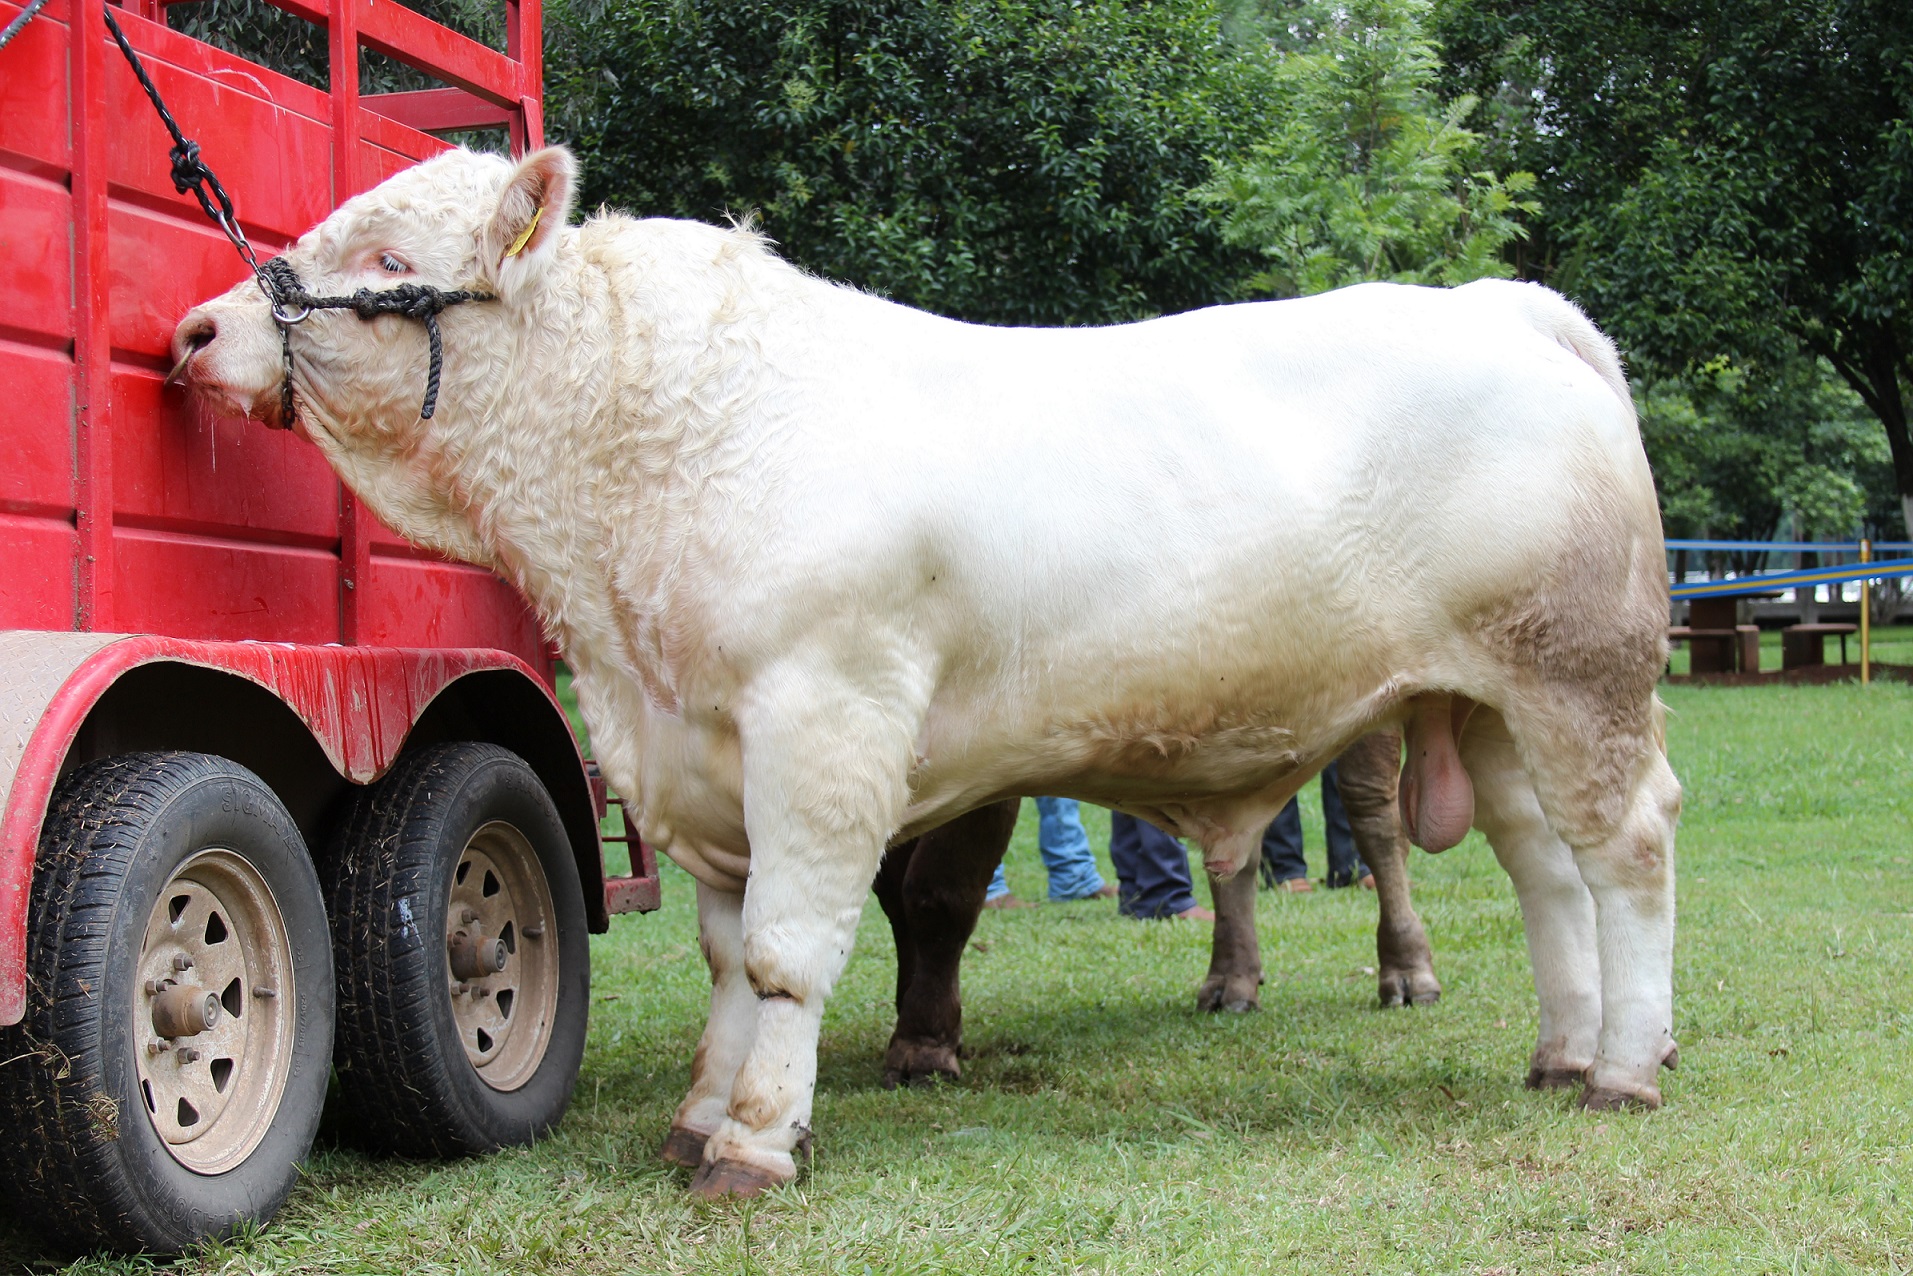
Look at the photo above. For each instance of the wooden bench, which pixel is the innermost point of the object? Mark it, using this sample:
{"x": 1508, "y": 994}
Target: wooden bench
{"x": 1804, "y": 646}
{"x": 1715, "y": 643}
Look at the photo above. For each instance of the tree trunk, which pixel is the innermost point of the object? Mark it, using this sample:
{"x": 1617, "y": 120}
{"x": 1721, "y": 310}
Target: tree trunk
{"x": 1869, "y": 359}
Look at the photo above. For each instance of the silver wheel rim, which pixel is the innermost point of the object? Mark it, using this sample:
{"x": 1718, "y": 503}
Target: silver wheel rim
{"x": 215, "y": 937}
{"x": 499, "y": 896}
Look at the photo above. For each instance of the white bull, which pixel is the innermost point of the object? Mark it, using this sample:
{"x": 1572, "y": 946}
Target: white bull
{"x": 831, "y": 571}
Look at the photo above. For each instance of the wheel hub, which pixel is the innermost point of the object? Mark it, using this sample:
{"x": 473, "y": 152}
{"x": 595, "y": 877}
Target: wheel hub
{"x": 501, "y": 956}
{"x": 213, "y": 1000}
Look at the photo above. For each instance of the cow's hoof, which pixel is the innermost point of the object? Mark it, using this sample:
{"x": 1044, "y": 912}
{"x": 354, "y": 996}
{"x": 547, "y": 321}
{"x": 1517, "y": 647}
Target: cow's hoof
{"x": 719, "y": 1179}
{"x": 1217, "y": 995}
{"x": 1602, "y": 1099}
{"x": 1672, "y": 1059}
{"x": 1540, "y": 1078}
{"x": 1408, "y": 988}
{"x": 683, "y": 1147}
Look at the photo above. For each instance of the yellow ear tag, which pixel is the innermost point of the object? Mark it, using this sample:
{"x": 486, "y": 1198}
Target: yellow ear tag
{"x": 524, "y": 236}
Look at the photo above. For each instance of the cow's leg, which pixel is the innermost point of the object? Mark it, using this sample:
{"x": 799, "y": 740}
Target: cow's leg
{"x": 1235, "y": 955}
{"x": 825, "y": 768}
{"x": 728, "y": 1033}
{"x": 1368, "y": 775}
{"x": 1556, "y": 909}
{"x": 938, "y": 892}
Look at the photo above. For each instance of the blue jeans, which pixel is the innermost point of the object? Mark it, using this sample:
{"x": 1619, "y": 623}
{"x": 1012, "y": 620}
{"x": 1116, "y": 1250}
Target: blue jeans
{"x": 1282, "y": 844}
{"x": 1065, "y": 850}
{"x": 1152, "y": 869}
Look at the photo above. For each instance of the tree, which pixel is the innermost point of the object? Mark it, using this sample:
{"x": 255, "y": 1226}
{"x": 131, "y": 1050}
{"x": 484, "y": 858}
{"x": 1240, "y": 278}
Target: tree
{"x": 1724, "y": 182}
{"x": 1008, "y": 161}
{"x": 1365, "y": 174}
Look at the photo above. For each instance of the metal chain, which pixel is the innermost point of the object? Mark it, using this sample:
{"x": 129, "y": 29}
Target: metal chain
{"x": 20, "y": 20}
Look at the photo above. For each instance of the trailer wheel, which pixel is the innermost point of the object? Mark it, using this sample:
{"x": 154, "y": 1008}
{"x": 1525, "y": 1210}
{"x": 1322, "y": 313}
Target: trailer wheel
{"x": 459, "y": 938}
{"x": 170, "y": 1071}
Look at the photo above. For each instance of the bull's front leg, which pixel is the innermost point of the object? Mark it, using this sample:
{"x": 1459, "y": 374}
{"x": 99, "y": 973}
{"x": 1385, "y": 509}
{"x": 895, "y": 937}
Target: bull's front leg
{"x": 1368, "y": 777}
{"x": 728, "y": 1033}
{"x": 825, "y": 781}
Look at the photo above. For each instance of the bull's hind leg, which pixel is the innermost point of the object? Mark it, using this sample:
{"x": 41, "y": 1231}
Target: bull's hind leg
{"x": 932, "y": 890}
{"x": 1556, "y": 908}
{"x": 727, "y": 1034}
{"x": 1368, "y": 775}
{"x": 1235, "y": 957}
{"x": 1605, "y": 787}
{"x": 825, "y": 780}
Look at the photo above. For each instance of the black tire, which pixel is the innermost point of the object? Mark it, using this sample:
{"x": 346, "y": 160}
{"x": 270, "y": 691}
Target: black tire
{"x": 86, "y": 1162}
{"x": 408, "y": 1081}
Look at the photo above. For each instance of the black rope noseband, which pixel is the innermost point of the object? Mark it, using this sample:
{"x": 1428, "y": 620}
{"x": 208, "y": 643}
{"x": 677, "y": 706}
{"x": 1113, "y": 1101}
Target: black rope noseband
{"x": 291, "y": 304}
{"x": 285, "y": 292}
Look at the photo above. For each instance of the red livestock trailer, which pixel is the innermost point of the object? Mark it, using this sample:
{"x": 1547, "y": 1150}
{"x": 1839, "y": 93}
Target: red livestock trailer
{"x": 280, "y": 795}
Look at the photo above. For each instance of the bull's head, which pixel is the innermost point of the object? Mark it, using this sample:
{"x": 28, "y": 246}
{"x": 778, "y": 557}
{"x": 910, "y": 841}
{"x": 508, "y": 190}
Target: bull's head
{"x": 458, "y": 221}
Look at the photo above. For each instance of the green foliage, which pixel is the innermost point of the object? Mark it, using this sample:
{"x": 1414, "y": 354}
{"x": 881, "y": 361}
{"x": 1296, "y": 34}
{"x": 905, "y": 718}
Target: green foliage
{"x": 1785, "y": 453}
{"x": 1009, "y": 161}
{"x": 1723, "y": 181}
{"x": 1366, "y": 174}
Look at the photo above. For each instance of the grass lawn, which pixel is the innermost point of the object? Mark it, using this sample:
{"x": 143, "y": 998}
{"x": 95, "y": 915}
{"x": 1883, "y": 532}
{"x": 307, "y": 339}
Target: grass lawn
{"x": 1103, "y": 1125}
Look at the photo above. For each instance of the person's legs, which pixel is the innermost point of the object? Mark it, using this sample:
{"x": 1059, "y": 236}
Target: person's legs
{"x": 999, "y": 886}
{"x": 1152, "y": 869}
{"x": 1345, "y": 867}
{"x": 1282, "y": 848}
{"x": 1065, "y": 850}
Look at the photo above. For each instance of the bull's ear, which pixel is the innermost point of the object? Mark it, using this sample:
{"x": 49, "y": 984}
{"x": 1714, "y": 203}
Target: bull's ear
{"x": 532, "y": 209}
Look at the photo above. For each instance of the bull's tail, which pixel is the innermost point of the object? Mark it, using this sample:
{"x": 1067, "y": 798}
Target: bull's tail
{"x": 1557, "y": 318}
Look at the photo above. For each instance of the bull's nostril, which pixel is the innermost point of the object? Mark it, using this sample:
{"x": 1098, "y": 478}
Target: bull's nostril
{"x": 202, "y": 335}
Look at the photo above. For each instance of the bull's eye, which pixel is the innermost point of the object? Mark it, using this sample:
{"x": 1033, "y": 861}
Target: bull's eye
{"x": 392, "y": 265}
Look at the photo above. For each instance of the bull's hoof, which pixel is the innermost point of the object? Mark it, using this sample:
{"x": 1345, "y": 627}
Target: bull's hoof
{"x": 719, "y": 1179}
{"x": 683, "y": 1147}
{"x": 1217, "y": 995}
{"x": 1540, "y": 1078}
{"x": 1602, "y": 1099}
{"x": 1672, "y": 1059}
{"x": 1408, "y": 988}
{"x": 920, "y": 1063}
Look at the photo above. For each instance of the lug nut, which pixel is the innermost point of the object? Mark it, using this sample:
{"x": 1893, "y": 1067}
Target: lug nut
{"x": 188, "y": 1054}
{"x": 265, "y": 992}
{"x": 468, "y": 917}
{"x": 533, "y": 932}
{"x": 182, "y": 962}
{"x": 158, "y": 1047}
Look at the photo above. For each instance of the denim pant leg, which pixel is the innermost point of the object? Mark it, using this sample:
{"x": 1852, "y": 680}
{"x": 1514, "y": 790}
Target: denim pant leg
{"x": 1152, "y": 869}
{"x": 999, "y": 885}
{"x": 1282, "y": 847}
{"x": 1345, "y": 866}
{"x": 1065, "y": 849}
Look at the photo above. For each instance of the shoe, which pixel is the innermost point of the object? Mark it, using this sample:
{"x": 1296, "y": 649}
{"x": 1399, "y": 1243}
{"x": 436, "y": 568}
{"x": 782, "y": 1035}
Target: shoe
{"x": 1007, "y": 901}
{"x": 1106, "y": 891}
{"x": 1296, "y": 886}
{"x": 1368, "y": 881}
{"x": 1196, "y": 913}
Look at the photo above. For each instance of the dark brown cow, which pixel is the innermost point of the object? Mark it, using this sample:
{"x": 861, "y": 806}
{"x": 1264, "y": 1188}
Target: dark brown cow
{"x": 932, "y": 888}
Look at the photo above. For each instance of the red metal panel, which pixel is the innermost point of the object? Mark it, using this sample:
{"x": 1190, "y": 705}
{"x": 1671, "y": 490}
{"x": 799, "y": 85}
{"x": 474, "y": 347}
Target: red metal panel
{"x": 412, "y": 38}
{"x": 267, "y": 136}
{"x": 36, "y": 264}
{"x": 147, "y": 303}
{"x": 430, "y": 603}
{"x": 37, "y": 572}
{"x": 438, "y": 110}
{"x": 191, "y": 472}
{"x": 37, "y": 476}
{"x": 36, "y": 72}
{"x": 199, "y": 587}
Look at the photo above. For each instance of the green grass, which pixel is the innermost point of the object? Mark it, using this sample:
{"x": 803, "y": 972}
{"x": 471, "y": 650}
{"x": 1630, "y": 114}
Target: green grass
{"x": 1103, "y": 1125}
